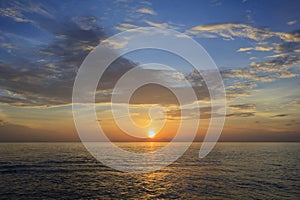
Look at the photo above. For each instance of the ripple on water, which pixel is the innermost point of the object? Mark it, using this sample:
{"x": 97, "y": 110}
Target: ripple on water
{"x": 232, "y": 171}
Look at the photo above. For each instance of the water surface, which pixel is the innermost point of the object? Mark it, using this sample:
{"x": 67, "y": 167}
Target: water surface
{"x": 230, "y": 171}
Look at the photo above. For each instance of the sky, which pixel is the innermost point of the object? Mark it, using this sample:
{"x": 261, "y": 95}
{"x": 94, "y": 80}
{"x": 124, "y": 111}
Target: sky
{"x": 255, "y": 44}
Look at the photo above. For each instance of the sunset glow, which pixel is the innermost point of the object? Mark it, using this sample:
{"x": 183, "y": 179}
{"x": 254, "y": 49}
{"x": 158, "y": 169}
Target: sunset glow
{"x": 145, "y": 99}
{"x": 256, "y": 50}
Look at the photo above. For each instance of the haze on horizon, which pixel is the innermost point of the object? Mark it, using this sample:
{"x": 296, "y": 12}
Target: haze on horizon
{"x": 256, "y": 47}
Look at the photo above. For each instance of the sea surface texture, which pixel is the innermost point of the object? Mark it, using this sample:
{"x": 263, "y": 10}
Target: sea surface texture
{"x": 230, "y": 171}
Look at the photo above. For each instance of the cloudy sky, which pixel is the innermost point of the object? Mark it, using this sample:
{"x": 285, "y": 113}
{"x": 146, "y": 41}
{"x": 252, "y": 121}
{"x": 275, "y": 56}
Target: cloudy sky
{"x": 255, "y": 44}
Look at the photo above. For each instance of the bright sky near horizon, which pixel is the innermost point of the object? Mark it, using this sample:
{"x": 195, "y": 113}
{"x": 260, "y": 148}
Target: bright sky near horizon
{"x": 255, "y": 44}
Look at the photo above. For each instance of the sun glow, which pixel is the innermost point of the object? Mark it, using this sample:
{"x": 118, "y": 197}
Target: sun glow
{"x": 151, "y": 134}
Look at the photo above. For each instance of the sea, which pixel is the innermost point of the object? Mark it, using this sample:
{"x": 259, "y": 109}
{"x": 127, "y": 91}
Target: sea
{"x": 230, "y": 171}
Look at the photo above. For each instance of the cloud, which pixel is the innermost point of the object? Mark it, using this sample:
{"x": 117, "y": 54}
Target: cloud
{"x": 155, "y": 94}
{"x": 266, "y": 71}
{"x": 18, "y": 133}
{"x": 158, "y": 25}
{"x": 158, "y": 95}
{"x": 280, "y": 115}
{"x": 258, "y": 48}
{"x": 244, "y": 110}
{"x": 8, "y": 45}
{"x": 241, "y": 114}
{"x": 243, "y": 106}
{"x": 49, "y": 82}
{"x": 18, "y": 11}
{"x": 282, "y": 55}
{"x": 295, "y": 102}
{"x": 114, "y": 44}
{"x": 146, "y": 11}
{"x": 14, "y": 14}
{"x": 281, "y": 64}
{"x": 291, "y": 22}
{"x": 216, "y": 3}
{"x": 231, "y": 31}
{"x": 244, "y": 49}
{"x": 125, "y": 26}
{"x": 239, "y": 89}
{"x": 191, "y": 113}
{"x": 287, "y": 47}
{"x": 241, "y": 81}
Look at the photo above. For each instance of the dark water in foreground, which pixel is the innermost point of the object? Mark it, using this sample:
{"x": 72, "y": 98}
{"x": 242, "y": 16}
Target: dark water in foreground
{"x": 231, "y": 171}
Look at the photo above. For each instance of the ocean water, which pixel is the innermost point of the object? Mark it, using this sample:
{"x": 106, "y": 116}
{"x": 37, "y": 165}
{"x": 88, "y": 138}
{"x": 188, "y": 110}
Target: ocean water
{"x": 230, "y": 171}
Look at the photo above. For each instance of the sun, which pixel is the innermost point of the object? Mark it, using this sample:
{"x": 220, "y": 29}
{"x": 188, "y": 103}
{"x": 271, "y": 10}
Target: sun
{"x": 151, "y": 134}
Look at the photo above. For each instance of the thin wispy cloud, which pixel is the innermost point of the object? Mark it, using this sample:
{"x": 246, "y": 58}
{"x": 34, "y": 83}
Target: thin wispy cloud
{"x": 292, "y": 22}
{"x": 280, "y": 115}
{"x": 146, "y": 11}
{"x": 241, "y": 114}
{"x": 125, "y": 27}
{"x": 258, "y": 48}
{"x": 231, "y": 31}
{"x": 158, "y": 25}
{"x": 243, "y": 106}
